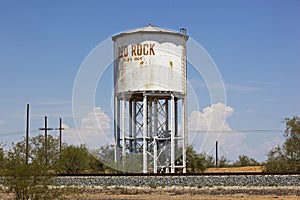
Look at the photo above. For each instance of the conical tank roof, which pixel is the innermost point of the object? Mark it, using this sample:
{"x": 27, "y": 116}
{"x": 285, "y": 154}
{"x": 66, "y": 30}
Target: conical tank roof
{"x": 149, "y": 29}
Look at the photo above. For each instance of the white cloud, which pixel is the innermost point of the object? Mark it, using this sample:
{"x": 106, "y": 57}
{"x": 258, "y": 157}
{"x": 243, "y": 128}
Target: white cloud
{"x": 233, "y": 144}
{"x": 2, "y": 122}
{"x": 211, "y": 125}
{"x": 66, "y": 126}
{"x": 95, "y": 120}
{"x": 211, "y": 118}
{"x": 94, "y": 130}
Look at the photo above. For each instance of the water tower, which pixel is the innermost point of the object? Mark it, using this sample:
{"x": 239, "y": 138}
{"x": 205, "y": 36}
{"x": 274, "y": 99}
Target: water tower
{"x": 150, "y": 100}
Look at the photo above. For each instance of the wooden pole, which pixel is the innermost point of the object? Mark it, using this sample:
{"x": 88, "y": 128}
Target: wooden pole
{"x": 27, "y": 134}
{"x": 60, "y": 136}
{"x": 217, "y": 154}
{"x": 46, "y": 139}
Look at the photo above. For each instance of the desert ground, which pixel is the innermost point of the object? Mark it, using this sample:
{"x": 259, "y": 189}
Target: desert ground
{"x": 178, "y": 193}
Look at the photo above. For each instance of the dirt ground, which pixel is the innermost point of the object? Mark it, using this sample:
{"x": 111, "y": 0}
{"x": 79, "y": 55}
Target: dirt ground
{"x": 186, "y": 193}
{"x": 184, "y": 197}
{"x": 85, "y": 196}
{"x": 178, "y": 193}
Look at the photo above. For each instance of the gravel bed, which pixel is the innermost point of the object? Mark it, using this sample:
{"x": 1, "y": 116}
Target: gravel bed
{"x": 191, "y": 181}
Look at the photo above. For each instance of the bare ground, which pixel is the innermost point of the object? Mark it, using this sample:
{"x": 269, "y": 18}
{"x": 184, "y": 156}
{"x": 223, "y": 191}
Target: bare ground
{"x": 178, "y": 193}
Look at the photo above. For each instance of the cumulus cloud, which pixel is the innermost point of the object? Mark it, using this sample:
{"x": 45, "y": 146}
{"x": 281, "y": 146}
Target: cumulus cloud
{"x": 96, "y": 120}
{"x": 211, "y": 118}
{"x": 94, "y": 130}
{"x": 211, "y": 125}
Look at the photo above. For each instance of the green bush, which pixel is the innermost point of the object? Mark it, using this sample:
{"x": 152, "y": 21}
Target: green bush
{"x": 28, "y": 181}
{"x": 286, "y": 158}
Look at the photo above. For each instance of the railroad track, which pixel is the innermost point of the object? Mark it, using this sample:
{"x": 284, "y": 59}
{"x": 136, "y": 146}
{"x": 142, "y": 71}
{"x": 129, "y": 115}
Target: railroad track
{"x": 189, "y": 180}
{"x": 187, "y": 174}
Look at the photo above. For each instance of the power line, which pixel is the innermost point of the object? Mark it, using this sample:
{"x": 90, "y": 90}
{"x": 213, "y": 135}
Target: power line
{"x": 237, "y": 131}
{"x": 16, "y": 133}
{"x": 190, "y": 131}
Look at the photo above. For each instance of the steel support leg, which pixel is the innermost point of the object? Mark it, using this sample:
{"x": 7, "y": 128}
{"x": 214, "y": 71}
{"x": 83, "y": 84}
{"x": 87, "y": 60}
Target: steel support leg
{"x": 130, "y": 126}
{"x": 118, "y": 131}
{"x": 172, "y": 134}
{"x": 145, "y": 133}
{"x": 115, "y": 131}
{"x": 134, "y": 127}
{"x": 184, "y": 133}
{"x": 123, "y": 132}
{"x": 155, "y": 160}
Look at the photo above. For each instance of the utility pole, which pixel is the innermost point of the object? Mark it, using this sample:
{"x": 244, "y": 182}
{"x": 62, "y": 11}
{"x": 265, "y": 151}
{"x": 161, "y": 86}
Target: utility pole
{"x": 217, "y": 154}
{"x": 60, "y": 136}
{"x": 46, "y": 140}
{"x": 27, "y": 134}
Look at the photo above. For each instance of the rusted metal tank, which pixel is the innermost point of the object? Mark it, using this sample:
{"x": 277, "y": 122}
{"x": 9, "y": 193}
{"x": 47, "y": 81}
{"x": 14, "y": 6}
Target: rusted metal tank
{"x": 150, "y": 59}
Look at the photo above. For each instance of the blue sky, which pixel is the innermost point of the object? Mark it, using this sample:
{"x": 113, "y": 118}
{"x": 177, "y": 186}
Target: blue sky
{"x": 255, "y": 44}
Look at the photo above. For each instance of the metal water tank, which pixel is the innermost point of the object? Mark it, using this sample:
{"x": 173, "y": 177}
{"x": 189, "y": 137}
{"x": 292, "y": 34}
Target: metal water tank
{"x": 150, "y": 107}
{"x": 150, "y": 59}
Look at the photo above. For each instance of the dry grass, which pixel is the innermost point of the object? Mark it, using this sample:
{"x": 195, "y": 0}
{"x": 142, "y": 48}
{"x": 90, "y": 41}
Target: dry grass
{"x": 235, "y": 169}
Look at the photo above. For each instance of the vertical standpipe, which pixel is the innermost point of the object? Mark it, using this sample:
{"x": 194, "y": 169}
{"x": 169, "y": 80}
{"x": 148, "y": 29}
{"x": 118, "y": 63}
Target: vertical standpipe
{"x": 150, "y": 118}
